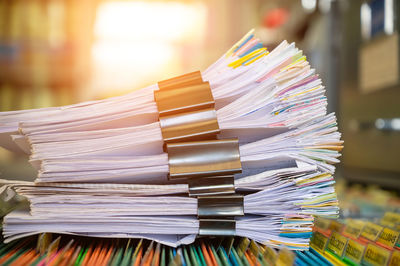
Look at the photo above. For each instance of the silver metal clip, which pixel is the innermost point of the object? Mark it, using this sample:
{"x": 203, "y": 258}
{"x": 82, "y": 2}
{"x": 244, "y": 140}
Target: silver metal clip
{"x": 204, "y": 158}
{"x": 217, "y": 227}
{"x": 216, "y": 185}
{"x": 220, "y": 206}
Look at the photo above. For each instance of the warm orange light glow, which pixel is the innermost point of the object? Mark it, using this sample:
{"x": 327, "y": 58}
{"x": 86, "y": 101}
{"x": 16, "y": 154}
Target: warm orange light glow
{"x": 137, "y": 41}
{"x": 141, "y": 20}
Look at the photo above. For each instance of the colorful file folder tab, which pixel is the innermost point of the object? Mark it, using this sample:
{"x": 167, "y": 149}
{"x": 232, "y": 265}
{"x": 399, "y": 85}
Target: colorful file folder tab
{"x": 74, "y": 250}
{"x": 358, "y": 242}
{"x": 327, "y": 247}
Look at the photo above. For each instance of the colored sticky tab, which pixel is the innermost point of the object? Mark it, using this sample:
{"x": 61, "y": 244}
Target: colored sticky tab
{"x": 255, "y": 47}
{"x": 297, "y": 59}
{"x": 337, "y": 243}
{"x": 244, "y": 42}
{"x": 388, "y": 237}
{"x": 241, "y": 41}
{"x": 249, "y": 56}
{"x": 354, "y": 251}
{"x": 248, "y": 45}
{"x": 371, "y": 231}
{"x": 353, "y": 228}
{"x": 390, "y": 219}
{"x": 252, "y": 60}
{"x": 322, "y": 223}
{"x": 375, "y": 255}
{"x": 319, "y": 241}
{"x": 395, "y": 259}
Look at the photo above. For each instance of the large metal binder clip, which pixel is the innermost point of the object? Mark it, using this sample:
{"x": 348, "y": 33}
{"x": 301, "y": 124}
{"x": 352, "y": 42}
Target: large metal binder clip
{"x": 204, "y": 158}
{"x": 195, "y": 125}
{"x": 217, "y": 227}
{"x": 185, "y": 80}
{"x": 216, "y": 185}
{"x": 220, "y": 206}
{"x": 186, "y": 109}
{"x": 184, "y": 99}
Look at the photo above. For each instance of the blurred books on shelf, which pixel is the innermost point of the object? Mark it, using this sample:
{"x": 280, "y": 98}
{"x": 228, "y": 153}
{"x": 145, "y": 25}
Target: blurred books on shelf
{"x": 44, "y": 52}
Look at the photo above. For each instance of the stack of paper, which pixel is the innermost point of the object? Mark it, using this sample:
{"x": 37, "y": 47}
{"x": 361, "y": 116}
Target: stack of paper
{"x": 102, "y": 170}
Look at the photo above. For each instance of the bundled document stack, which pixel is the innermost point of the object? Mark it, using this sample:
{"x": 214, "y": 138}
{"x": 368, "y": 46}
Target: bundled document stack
{"x": 243, "y": 148}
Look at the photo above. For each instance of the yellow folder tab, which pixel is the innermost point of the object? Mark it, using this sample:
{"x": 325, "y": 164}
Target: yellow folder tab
{"x": 254, "y": 248}
{"x": 395, "y": 259}
{"x": 322, "y": 223}
{"x": 337, "y": 243}
{"x": 354, "y": 228}
{"x": 336, "y": 226}
{"x": 375, "y": 255}
{"x": 354, "y": 251}
{"x": 285, "y": 257}
{"x": 371, "y": 231}
{"x": 390, "y": 219}
{"x": 270, "y": 255}
{"x": 388, "y": 237}
{"x": 319, "y": 241}
{"x": 243, "y": 246}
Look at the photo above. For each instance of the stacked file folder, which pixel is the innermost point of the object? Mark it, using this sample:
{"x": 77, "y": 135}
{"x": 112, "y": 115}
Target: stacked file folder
{"x": 244, "y": 148}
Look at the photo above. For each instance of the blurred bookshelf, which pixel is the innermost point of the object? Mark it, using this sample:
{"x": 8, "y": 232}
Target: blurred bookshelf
{"x": 44, "y": 51}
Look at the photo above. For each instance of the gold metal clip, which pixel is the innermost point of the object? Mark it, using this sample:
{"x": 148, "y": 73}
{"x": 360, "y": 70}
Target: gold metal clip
{"x": 217, "y": 227}
{"x": 206, "y": 186}
{"x": 185, "y": 99}
{"x": 204, "y": 158}
{"x": 185, "y": 80}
